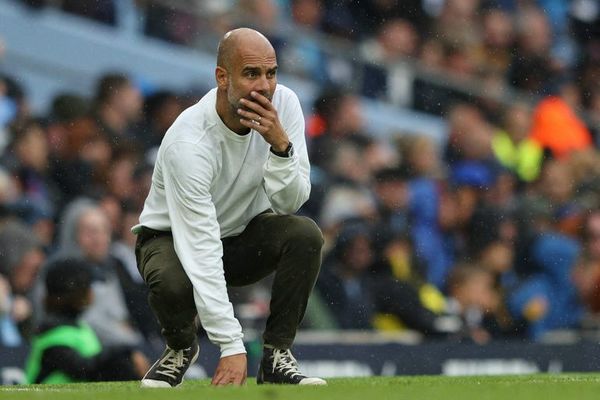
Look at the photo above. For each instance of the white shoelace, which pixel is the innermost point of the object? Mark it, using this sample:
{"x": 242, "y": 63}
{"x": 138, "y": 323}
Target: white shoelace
{"x": 172, "y": 363}
{"x": 284, "y": 361}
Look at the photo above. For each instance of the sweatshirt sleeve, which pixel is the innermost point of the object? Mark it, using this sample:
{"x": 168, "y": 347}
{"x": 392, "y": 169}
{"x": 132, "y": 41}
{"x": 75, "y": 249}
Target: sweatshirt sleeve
{"x": 287, "y": 179}
{"x": 188, "y": 169}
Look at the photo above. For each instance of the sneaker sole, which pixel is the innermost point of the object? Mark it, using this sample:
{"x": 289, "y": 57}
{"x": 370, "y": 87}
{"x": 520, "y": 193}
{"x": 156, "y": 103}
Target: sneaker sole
{"x": 312, "y": 381}
{"x": 153, "y": 383}
{"x": 305, "y": 382}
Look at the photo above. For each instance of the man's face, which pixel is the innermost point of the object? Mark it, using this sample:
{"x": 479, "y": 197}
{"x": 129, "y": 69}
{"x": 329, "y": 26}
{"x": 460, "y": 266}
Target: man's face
{"x": 252, "y": 68}
{"x": 130, "y": 101}
{"x": 93, "y": 234}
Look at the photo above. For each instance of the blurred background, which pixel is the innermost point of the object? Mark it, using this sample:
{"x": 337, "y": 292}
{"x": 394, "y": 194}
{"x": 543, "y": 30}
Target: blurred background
{"x": 455, "y": 171}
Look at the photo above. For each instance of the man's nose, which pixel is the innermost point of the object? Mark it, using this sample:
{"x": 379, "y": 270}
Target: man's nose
{"x": 262, "y": 85}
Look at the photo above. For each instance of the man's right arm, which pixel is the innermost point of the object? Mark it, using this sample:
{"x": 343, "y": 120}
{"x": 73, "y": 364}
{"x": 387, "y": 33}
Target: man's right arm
{"x": 188, "y": 169}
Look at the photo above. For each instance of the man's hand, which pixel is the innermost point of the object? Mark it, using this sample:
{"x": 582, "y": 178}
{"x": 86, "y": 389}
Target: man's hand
{"x": 232, "y": 370}
{"x": 262, "y": 117}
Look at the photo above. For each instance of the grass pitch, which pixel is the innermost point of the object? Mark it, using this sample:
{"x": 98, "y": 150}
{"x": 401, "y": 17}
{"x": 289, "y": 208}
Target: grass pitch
{"x": 529, "y": 387}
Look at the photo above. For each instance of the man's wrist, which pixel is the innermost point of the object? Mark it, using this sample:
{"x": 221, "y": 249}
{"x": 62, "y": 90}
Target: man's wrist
{"x": 280, "y": 146}
{"x": 232, "y": 348}
{"x": 287, "y": 152}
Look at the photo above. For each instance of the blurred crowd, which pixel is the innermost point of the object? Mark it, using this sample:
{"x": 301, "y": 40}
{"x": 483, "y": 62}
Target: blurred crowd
{"x": 391, "y": 49}
{"x": 492, "y": 234}
{"x": 497, "y": 227}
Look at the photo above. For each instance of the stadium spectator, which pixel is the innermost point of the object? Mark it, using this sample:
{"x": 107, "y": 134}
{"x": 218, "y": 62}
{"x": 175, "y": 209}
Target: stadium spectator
{"x": 66, "y": 111}
{"x": 303, "y": 55}
{"x": 27, "y": 157}
{"x": 118, "y": 109}
{"x": 420, "y": 156}
{"x": 557, "y": 185}
{"x": 8, "y": 111}
{"x": 9, "y": 191}
{"x": 456, "y": 24}
{"x": 473, "y": 297}
{"x": 391, "y": 189}
{"x": 349, "y": 169}
{"x": 532, "y": 66}
{"x": 14, "y": 103}
{"x": 387, "y": 76}
{"x": 431, "y": 55}
{"x": 470, "y": 136}
{"x": 547, "y": 300}
{"x": 586, "y": 275}
{"x": 120, "y": 175}
{"x": 557, "y": 127}
{"x": 85, "y": 233}
{"x": 343, "y": 282}
{"x": 9, "y": 333}
{"x": 428, "y": 202}
{"x": 348, "y": 175}
{"x": 21, "y": 257}
{"x": 337, "y": 114}
{"x": 79, "y": 152}
{"x": 586, "y": 278}
{"x": 344, "y": 202}
{"x": 65, "y": 349}
{"x": 142, "y": 179}
{"x": 358, "y": 297}
{"x": 513, "y": 146}
{"x": 493, "y": 52}
{"x": 262, "y": 15}
{"x": 160, "y": 111}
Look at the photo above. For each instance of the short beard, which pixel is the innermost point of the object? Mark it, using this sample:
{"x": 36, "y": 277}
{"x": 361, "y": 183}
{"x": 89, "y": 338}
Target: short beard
{"x": 235, "y": 105}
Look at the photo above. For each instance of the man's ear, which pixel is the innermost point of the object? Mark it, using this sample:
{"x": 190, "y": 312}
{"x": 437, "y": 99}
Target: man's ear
{"x": 221, "y": 77}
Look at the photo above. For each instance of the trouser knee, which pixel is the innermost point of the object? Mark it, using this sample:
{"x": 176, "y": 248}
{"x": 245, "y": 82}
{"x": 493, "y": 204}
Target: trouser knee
{"x": 304, "y": 231}
{"x": 171, "y": 288}
{"x": 302, "y": 248}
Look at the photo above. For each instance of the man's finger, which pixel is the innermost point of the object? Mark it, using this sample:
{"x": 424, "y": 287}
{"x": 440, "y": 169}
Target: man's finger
{"x": 266, "y": 103}
{"x": 252, "y": 124}
{"x": 251, "y": 116}
{"x": 222, "y": 382}
{"x": 254, "y": 106}
{"x": 236, "y": 379}
{"x": 228, "y": 378}
{"x": 239, "y": 379}
{"x": 218, "y": 377}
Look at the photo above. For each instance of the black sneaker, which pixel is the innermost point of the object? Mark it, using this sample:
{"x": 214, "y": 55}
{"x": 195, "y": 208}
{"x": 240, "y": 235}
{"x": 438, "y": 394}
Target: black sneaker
{"x": 169, "y": 369}
{"x": 280, "y": 366}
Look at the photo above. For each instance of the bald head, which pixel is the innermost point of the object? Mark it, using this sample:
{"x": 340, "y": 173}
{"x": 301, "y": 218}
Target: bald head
{"x": 246, "y": 63}
{"x": 238, "y": 39}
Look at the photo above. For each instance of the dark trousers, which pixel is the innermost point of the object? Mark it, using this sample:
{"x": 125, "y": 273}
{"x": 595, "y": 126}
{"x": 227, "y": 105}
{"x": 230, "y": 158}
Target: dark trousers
{"x": 287, "y": 244}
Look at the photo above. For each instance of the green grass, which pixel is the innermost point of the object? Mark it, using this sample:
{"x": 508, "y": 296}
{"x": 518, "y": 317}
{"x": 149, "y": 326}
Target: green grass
{"x": 529, "y": 387}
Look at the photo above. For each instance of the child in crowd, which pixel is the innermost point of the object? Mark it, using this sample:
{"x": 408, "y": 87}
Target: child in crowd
{"x": 65, "y": 349}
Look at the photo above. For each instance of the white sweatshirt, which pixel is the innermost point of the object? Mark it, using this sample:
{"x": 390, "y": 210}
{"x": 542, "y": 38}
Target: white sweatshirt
{"x": 208, "y": 183}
